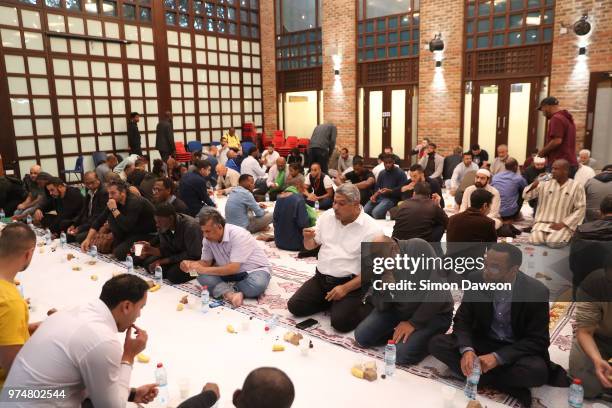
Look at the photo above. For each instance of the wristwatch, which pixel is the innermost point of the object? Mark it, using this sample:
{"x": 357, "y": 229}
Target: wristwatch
{"x": 132, "y": 395}
{"x": 114, "y": 209}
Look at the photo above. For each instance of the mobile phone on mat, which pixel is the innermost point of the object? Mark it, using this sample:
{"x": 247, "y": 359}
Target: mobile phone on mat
{"x": 306, "y": 324}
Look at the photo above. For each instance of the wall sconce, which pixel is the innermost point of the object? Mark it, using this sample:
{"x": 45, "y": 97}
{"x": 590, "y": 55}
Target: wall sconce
{"x": 436, "y": 46}
{"x": 582, "y": 27}
{"x": 337, "y": 59}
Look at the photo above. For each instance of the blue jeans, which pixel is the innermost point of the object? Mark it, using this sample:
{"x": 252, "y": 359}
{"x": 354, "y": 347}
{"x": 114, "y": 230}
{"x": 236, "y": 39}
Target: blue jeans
{"x": 378, "y": 327}
{"x": 250, "y": 284}
{"x": 379, "y": 210}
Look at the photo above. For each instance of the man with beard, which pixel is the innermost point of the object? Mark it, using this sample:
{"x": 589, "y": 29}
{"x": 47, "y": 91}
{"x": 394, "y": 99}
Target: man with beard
{"x": 483, "y": 176}
{"x": 388, "y": 182}
{"x": 67, "y": 203}
{"x": 277, "y": 178}
{"x": 499, "y": 164}
{"x": 433, "y": 163}
{"x": 163, "y": 192}
{"x": 596, "y": 190}
{"x": 561, "y": 137}
{"x": 93, "y": 206}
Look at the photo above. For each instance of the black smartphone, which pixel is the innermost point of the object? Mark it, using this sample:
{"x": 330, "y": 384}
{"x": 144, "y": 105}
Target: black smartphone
{"x": 306, "y": 324}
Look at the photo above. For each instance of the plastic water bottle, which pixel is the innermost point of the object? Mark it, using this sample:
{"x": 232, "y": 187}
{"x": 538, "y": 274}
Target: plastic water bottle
{"x": 2, "y": 214}
{"x": 21, "y": 292}
{"x": 93, "y": 252}
{"x": 317, "y": 205}
{"x": 159, "y": 275}
{"x": 48, "y": 236}
{"x": 267, "y": 198}
{"x": 205, "y": 299}
{"x": 161, "y": 378}
{"x": 29, "y": 221}
{"x": 388, "y": 216}
{"x": 471, "y": 384}
{"x": 63, "y": 240}
{"x": 271, "y": 323}
{"x": 390, "y": 353}
{"x": 576, "y": 394}
{"x": 129, "y": 263}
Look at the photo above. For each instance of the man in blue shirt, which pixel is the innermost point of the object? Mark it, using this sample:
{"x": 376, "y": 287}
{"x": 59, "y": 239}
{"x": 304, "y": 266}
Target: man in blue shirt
{"x": 240, "y": 201}
{"x": 510, "y": 186}
{"x": 193, "y": 188}
{"x": 291, "y": 216}
{"x": 389, "y": 181}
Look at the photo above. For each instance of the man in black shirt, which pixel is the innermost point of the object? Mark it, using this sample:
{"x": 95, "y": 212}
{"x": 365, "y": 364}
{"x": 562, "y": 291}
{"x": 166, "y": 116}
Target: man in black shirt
{"x": 480, "y": 156}
{"x": 420, "y": 216}
{"x": 66, "y": 201}
{"x": 163, "y": 192}
{"x": 362, "y": 178}
{"x": 417, "y": 175}
{"x": 93, "y": 206}
{"x": 134, "y": 134}
{"x": 130, "y": 218}
{"x": 179, "y": 239}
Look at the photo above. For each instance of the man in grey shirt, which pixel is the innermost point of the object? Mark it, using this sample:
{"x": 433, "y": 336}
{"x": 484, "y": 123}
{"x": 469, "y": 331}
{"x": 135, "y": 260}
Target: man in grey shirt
{"x": 596, "y": 189}
{"x": 322, "y": 143}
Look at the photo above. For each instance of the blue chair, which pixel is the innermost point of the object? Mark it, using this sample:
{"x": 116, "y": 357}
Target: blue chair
{"x": 98, "y": 157}
{"x": 78, "y": 169}
{"x": 194, "y": 146}
{"x": 246, "y": 146}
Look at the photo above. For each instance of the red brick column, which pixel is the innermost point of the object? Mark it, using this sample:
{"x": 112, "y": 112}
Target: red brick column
{"x": 570, "y": 72}
{"x": 268, "y": 66}
{"x": 339, "y": 30}
{"x": 440, "y": 90}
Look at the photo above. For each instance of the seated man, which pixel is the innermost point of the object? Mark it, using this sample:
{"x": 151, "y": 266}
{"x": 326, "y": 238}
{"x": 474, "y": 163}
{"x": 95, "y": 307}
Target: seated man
{"x": 499, "y": 164}
{"x": 417, "y": 175}
{"x": 337, "y": 281}
{"x": 483, "y": 177}
{"x": 138, "y": 174}
{"x": 269, "y": 157}
{"x": 432, "y": 163}
{"x": 130, "y": 218}
{"x": 226, "y": 180}
{"x": 510, "y": 186}
{"x": 250, "y": 165}
{"x": 592, "y": 345}
{"x": 93, "y": 206}
{"x": 345, "y": 161}
{"x": 295, "y": 157}
{"x": 450, "y": 162}
{"x": 264, "y": 387}
{"x": 17, "y": 245}
{"x": 530, "y": 174}
{"x": 295, "y": 170}
{"x": 362, "y": 178}
{"x": 420, "y": 216}
{"x": 193, "y": 188}
{"x": 230, "y": 254}
{"x": 88, "y": 358}
{"x": 179, "y": 239}
{"x": 106, "y": 166}
{"x": 277, "y": 178}
{"x": 163, "y": 192}
{"x": 35, "y": 196}
{"x": 411, "y": 324}
{"x": 291, "y": 216}
{"x": 233, "y": 160}
{"x": 388, "y": 182}
{"x": 466, "y": 166}
{"x": 506, "y": 330}
{"x": 11, "y": 194}
{"x": 596, "y": 189}
{"x": 240, "y": 204}
{"x": 319, "y": 187}
{"x": 561, "y": 207}
{"x": 67, "y": 202}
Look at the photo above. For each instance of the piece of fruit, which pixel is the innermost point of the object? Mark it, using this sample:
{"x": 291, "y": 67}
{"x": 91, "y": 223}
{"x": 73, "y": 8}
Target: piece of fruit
{"x": 155, "y": 288}
{"x": 179, "y": 307}
{"x": 278, "y": 347}
{"x": 357, "y": 372}
{"x": 142, "y": 358}
{"x": 230, "y": 329}
{"x": 76, "y": 268}
{"x": 94, "y": 277}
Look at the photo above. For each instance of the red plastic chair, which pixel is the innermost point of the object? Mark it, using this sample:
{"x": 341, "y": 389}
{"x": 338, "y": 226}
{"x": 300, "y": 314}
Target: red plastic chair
{"x": 265, "y": 140}
{"x": 182, "y": 155}
{"x": 290, "y": 143}
{"x": 279, "y": 138}
{"x": 303, "y": 144}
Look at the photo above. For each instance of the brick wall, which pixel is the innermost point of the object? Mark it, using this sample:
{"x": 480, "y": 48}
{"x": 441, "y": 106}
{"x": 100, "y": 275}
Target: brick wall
{"x": 339, "y": 32}
{"x": 268, "y": 66}
{"x": 440, "y": 89}
{"x": 570, "y": 72}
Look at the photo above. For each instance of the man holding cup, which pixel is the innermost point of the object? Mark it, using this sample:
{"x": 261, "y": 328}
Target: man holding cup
{"x": 179, "y": 239}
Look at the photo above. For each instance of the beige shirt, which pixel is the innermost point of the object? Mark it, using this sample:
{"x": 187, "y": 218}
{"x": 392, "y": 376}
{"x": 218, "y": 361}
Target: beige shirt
{"x": 229, "y": 181}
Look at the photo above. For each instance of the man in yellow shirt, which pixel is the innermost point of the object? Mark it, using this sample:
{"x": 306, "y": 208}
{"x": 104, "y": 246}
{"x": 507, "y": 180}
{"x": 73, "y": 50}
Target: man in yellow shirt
{"x": 17, "y": 245}
{"x": 233, "y": 141}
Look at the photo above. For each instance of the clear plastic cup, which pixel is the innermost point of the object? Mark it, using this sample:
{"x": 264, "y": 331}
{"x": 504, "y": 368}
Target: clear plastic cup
{"x": 138, "y": 249}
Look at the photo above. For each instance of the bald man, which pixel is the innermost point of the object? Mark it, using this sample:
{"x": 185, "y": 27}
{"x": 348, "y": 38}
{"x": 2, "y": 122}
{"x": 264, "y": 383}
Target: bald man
{"x": 561, "y": 207}
{"x": 227, "y": 179}
{"x": 277, "y": 178}
{"x": 499, "y": 164}
{"x": 36, "y": 196}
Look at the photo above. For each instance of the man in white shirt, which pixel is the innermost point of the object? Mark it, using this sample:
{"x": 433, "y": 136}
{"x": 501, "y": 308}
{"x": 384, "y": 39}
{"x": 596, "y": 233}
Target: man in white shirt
{"x": 583, "y": 174}
{"x": 462, "y": 168}
{"x": 119, "y": 169}
{"x": 483, "y": 180}
{"x": 277, "y": 178}
{"x": 227, "y": 179}
{"x": 222, "y": 153}
{"x": 337, "y": 282}
{"x": 77, "y": 351}
{"x": 251, "y": 166}
{"x": 269, "y": 157}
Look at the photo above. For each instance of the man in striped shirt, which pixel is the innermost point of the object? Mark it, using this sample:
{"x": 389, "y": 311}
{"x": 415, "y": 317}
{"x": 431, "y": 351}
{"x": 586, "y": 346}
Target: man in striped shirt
{"x": 561, "y": 207}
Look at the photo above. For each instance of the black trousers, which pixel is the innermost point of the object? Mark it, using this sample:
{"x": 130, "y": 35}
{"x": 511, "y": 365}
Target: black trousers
{"x": 55, "y": 223}
{"x": 527, "y": 372}
{"x": 172, "y": 272}
{"x": 321, "y": 156}
{"x": 346, "y": 313}
{"x": 165, "y": 155}
{"x": 121, "y": 247}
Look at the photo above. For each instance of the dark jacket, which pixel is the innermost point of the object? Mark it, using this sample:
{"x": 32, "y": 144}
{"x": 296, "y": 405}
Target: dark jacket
{"x": 206, "y": 399}
{"x": 529, "y": 321}
{"x": 179, "y": 205}
{"x": 184, "y": 244}
{"x": 589, "y": 248}
{"x": 136, "y": 177}
{"x": 290, "y": 218}
{"x": 136, "y": 218}
{"x": 133, "y": 135}
{"x": 193, "y": 191}
{"x": 416, "y": 217}
{"x": 12, "y": 194}
{"x": 86, "y": 218}
{"x": 164, "y": 139}
{"x": 450, "y": 162}
{"x": 67, "y": 208}
{"x": 433, "y": 185}
{"x": 471, "y": 226}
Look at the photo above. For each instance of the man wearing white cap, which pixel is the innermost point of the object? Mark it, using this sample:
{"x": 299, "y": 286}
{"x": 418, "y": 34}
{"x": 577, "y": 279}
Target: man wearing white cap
{"x": 483, "y": 177}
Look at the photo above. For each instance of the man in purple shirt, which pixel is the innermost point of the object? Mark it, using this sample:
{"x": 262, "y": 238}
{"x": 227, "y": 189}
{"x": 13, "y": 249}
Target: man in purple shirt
{"x": 510, "y": 186}
{"x": 229, "y": 254}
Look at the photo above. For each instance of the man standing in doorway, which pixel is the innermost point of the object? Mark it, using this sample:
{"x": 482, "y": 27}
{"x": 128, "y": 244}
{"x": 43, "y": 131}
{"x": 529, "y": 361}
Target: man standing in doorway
{"x": 561, "y": 137}
{"x": 134, "y": 134}
{"x": 164, "y": 140}
{"x": 322, "y": 143}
